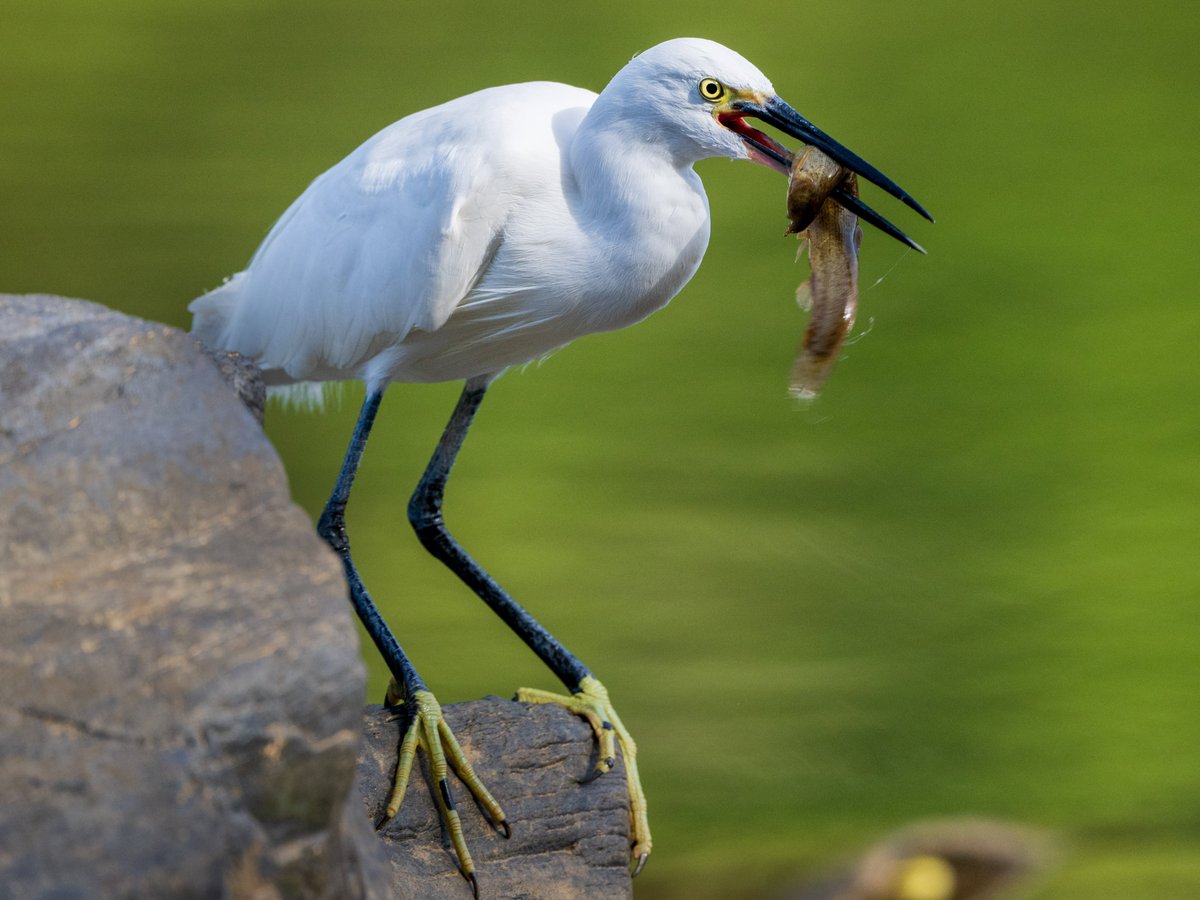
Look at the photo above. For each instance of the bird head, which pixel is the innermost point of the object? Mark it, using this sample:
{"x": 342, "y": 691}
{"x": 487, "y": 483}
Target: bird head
{"x": 702, "y": 99}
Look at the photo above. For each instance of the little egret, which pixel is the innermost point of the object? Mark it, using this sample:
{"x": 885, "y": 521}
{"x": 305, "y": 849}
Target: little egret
{"x": 481, "y": 234}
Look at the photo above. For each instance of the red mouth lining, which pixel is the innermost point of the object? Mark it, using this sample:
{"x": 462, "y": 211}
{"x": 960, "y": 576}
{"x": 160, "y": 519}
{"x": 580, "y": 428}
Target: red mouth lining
{"x": 736, "y": 122}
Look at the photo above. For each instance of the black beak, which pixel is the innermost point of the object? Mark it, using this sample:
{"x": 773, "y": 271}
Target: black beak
{"x": 778, "y": 114}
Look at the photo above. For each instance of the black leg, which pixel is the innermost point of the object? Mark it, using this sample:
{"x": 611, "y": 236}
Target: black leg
{"x": 425, "y": 514}
{"x": 425, "y": 725}
{"x": 332, "y": 527}
{"x": 588, "y": 697}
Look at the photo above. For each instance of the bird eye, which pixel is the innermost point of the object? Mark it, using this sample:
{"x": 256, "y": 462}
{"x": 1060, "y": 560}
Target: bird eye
{"x": 711, "y": 89}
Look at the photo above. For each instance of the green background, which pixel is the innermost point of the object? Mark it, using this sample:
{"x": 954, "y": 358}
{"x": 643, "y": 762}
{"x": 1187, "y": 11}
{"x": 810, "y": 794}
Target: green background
{"x": 962, "y": 582}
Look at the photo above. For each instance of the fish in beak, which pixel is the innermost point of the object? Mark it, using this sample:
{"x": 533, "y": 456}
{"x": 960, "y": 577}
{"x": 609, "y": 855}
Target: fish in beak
{"x": 767, "y": 151}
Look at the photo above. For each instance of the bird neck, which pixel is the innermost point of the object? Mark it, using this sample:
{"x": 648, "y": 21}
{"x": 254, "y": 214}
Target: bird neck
{"x": 622, "y": 161}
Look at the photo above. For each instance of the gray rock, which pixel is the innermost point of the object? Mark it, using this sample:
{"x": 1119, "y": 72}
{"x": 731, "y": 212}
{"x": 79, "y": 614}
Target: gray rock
{"x": 180, "y": 686}
{"x": 243, "y": 376}
{"x": 182, "y": 691}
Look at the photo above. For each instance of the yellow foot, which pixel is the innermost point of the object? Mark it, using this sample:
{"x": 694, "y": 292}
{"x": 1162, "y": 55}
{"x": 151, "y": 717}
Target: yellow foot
{"x": 591, "y": 701}
{"x": 428, "y": 730}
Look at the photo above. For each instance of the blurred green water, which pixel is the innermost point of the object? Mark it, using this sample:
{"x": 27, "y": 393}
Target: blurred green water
{"x": 964, "y": 581}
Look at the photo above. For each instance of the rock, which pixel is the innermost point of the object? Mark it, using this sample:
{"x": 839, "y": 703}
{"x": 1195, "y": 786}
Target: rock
{"x": 942, "y": 859}
{"x": 569, "y": 840}
{"x": 243, "y": 376}
{"x": 180, "y": 686}
{"x": 182, "y": 691}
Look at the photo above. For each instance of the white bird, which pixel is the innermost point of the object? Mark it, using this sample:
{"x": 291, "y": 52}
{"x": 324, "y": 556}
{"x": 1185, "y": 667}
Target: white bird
{"x": 481, "y": 234}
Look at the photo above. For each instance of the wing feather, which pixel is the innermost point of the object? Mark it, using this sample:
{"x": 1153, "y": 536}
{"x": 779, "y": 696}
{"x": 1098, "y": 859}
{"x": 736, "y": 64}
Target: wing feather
{"x": 391, "y": 240}
{"x": 387, "y": 241}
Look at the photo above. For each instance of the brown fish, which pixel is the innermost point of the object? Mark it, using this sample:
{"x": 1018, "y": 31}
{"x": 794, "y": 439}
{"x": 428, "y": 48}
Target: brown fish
{"x": 814, "y": 175}
{"x": 831, "y": 292}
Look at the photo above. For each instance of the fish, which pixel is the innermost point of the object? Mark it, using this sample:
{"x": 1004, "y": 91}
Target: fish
{"x": 830, "y": 294}
{"x": 813, "y": 178}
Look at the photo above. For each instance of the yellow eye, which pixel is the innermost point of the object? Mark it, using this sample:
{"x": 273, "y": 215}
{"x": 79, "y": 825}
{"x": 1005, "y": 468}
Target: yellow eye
{"x": 711, "y": 89}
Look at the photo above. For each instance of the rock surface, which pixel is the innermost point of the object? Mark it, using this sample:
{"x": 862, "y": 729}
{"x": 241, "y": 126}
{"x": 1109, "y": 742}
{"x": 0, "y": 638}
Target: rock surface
{"x": 243, "y": 377}
{"x": 180, "y": 685}
{"x": 569, "y": 840}
{"x": 180, "y": 672}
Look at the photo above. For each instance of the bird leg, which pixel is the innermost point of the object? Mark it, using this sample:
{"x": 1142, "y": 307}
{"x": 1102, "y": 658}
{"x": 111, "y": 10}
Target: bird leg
{"x": 425, "y": 727}
{"x": 588, "y": 697}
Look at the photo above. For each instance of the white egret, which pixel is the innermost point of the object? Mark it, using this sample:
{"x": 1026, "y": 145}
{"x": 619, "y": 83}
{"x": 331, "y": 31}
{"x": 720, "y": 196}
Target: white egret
{"x": 485, "y": 233}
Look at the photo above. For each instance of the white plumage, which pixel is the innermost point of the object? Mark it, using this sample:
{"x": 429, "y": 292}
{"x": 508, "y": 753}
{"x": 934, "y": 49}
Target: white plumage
{"x": 481, "y": 234}
{"x": 490, "y": 230}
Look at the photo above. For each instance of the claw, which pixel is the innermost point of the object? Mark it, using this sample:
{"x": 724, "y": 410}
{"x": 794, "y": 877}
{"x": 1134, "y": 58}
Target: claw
{"x": 429, "y": 731}
{"x": 591, "y": 702}
{"x": 641, "y": 864}
{"x": 502, "y": 827}
{"x": 604, "y": 765}
{"x": 593, "y": 775}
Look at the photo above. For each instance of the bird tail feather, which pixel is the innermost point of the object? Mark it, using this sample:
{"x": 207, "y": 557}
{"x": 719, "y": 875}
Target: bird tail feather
{"x": 306, "y": 396}
{"x": 211, "y": 312}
